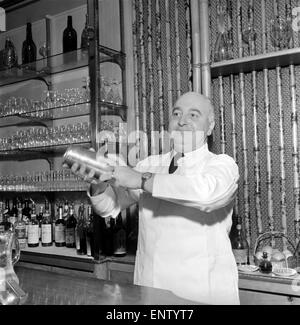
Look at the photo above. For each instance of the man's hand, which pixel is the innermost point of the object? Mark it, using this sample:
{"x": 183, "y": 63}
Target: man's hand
{"x": 127, "y": 177}
{"x": 122, "y": 175}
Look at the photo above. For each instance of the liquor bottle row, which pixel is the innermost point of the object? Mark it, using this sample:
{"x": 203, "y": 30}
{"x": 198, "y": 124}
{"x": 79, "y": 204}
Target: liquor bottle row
{"x": 29, "y": 50}
{"x": 88, "y": 234}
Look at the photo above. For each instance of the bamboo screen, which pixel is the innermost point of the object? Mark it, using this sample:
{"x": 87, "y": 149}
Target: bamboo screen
{"x": 256, "y": 122}
{"x": 162, "y": 55}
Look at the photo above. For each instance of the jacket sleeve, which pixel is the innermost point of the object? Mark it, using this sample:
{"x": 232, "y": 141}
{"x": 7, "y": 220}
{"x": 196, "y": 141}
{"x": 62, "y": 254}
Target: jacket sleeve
{"x": 113, "y": 200}
{"x": 212, "y": 188}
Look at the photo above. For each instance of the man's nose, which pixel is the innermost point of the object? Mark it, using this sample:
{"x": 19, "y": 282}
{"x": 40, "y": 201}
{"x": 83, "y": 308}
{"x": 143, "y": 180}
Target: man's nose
{"x": 182, "y": 121}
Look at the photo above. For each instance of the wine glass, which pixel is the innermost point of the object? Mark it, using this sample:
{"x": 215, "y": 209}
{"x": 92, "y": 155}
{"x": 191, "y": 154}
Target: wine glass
{"x": 280, "y": 32}
{"x": 249, "y": 37}
{"x": 222, "y": 50}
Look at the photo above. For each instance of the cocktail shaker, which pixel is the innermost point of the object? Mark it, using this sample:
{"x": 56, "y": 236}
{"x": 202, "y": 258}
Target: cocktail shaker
{"x": 83, "y": 156}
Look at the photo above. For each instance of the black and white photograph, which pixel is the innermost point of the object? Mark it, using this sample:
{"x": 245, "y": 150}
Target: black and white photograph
{"x": 149, "y": 155}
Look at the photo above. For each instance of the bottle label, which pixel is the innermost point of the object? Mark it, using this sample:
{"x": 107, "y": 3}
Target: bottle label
{"x": 70, "y": 236}
{"x": 60, "y": 235}
{"x": 22, "y": 243}
{"x": 240, "y": 256}
{"x": 20, "y": 231}
{"x": 46, "y": 233}
{"x": 33, "y": 234}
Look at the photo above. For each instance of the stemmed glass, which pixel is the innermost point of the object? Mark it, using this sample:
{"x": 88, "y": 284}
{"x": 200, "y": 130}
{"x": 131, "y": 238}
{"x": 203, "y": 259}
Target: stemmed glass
{"x": 222, "y": 49}
{"x": 280, "y": 32}
{"x": 249, "y": 37}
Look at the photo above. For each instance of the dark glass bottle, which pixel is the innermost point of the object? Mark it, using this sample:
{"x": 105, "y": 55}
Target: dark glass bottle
{"x": 46, "y": 226}
{"x": 69, "y": 37}
{"x": 39, "y": 218}
{"x": 265, "y": 265}
{"x": 240, "y": 247}
{"x": 29, "y": 47}
{"x": 119, "y": 233}
{"x": 13, "y": 212}
{"x": 84, "y": 35}
{"x": 10, "y": 58}
{"x": 81, "y": 232}
{"x": 108, "y": 236}
{"x": 90, "y": 233}
{"x": 6, "y": 212}
{"x": 60, "y": 225}
{"x": 33, "y": 229}
{"x": 5, "y": 224}
{"x": 70, "y": 229}
{"x": 98, "y": 227}
{"x": 26, "y": 210}
{"x": 66, "y": 211}
{"x": 20, "y": 228}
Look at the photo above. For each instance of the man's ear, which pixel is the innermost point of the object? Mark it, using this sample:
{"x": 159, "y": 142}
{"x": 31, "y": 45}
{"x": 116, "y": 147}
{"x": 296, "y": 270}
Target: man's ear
{"x": 210, "y": 129}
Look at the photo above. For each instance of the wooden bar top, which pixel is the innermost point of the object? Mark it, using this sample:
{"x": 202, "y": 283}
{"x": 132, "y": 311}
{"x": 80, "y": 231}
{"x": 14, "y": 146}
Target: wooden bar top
{"x": 49, "y": 288}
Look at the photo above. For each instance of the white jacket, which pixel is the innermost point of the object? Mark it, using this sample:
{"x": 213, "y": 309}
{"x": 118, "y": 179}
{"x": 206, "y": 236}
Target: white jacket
{"x": 183, "y": 242}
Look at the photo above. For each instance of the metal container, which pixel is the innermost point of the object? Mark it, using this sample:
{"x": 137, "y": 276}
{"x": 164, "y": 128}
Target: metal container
{"x": 83, "y": 156}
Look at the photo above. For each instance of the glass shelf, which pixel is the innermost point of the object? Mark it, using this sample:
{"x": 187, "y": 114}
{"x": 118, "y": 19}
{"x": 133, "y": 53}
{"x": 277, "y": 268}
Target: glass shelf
{"x": 67, "y": 111}
{"x": 37, "y": 188}
{"x": 56, "y": 64}
{"x": 259, "y": 62}
{"x": 38, "y": 152}
{"x": 49, "y": 114}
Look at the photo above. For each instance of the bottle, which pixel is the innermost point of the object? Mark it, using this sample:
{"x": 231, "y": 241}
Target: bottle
{"x": 6, "y": 211}
{"x": 29, "y": 47}
{"x": 108, "y": 236}
{"x": 66, "y": 211}
{"x": 90, "y": 233}
{"x": 46, "y": 227}
{"x": 1, "y": 212}
{"x": 33, "y": 229}
{"x": 55, "y": 217}
{"x": 5, "y": 225}
{"x": 69, "y": 37}
{"x": 80, "y": 232}
{"x": 265, "y": 265}
{"x": 10, "y": 58}
{"x": 119, "y": 234}
{"x": 39, "y": 218}
{"x": 13, "y": 212}
{"x": 240, "y": 247}
{"x": 26, "y": 215}
{"x": 84, "y": 36}
{"x": 60, "y": 225}
{"x": 20, "y": 228}
{"x": 70, "y": 229}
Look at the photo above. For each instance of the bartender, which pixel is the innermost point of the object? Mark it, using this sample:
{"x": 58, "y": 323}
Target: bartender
{"x": 185, "y": 206}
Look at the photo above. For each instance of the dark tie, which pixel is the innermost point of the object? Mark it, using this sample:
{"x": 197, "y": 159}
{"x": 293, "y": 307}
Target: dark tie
{"x": 173, "y": 165}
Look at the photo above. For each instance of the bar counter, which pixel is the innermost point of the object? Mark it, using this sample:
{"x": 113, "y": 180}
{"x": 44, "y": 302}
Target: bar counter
{"x": 50, "y": 288}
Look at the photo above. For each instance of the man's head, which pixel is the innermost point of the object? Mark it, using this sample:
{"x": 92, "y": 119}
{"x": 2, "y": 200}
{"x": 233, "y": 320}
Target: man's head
{"x": 191, "y": 121}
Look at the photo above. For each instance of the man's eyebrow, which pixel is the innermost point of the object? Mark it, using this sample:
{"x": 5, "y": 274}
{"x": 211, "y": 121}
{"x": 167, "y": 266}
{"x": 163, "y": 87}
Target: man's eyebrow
{"x": 176, "y": 108}
{"x": 196, "y": 110}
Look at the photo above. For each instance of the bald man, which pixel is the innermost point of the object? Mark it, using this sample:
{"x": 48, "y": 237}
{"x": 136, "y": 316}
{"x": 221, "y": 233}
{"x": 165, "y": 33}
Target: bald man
{"x": 185, "y": 206}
